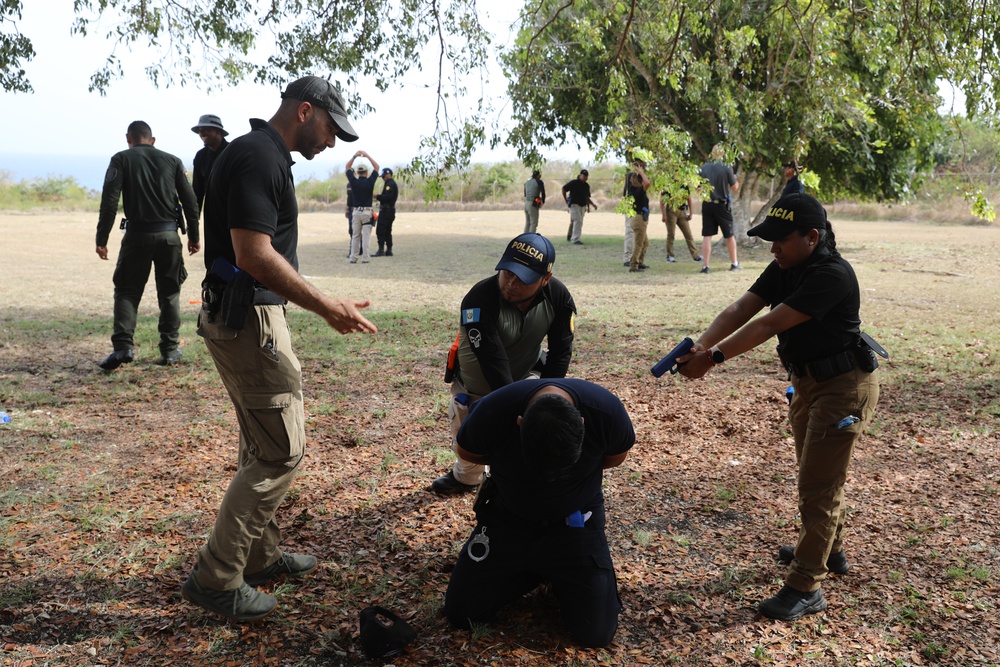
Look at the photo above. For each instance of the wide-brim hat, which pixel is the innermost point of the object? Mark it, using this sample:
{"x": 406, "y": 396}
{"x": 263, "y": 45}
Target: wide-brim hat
{"x": 529, "y": 257}
{"x": 791, "y": 212}
{"x": 321, "y": 93}
{"x": 210, "y": 120}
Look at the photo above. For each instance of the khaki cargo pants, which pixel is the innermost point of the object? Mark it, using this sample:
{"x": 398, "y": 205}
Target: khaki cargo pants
{"x": 264, "y": 381}
{"x": 823, "y": 453}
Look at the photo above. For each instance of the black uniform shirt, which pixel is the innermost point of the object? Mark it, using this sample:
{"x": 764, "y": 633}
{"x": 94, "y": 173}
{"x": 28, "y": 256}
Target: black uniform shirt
{"x": 149, "y": 182}
{"x": 823, "y": 287}
{"x": 362, "y": 189}
{"x": 499, "y": 344}
{"x": 523, "y": 492}
{"x": 640, "y": 200}
{"x": 578, "y": 191}
{"x": 251, "y": 187}
{"x": 389, "y": 193}
{"x": 202, "y": 167}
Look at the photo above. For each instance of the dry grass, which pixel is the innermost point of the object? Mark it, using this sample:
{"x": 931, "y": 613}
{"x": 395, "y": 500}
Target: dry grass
{"x": 111, "y": 481}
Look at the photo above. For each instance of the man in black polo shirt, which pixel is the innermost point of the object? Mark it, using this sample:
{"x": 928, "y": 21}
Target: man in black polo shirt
{"x": 251, "y": 225}
{"x": 150, "y": 181}
{"x": 540, "y": 517}
{"x": 577, "y": 196}
{"x": 213, "y": 136}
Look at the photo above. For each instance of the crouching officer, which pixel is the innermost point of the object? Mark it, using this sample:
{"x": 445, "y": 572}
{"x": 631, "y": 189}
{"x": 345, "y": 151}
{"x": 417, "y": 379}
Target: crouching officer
{"x": 150, "y": 182}
{"x": 503, "y": 322}
{"x": 815, "y": 301}
{"x": 540, "y": 514}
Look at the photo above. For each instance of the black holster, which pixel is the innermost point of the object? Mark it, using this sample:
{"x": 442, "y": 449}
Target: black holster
{"x": 237, "y": 300}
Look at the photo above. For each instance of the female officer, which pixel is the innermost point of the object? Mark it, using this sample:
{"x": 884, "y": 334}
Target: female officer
{"x": 814, "y": 299}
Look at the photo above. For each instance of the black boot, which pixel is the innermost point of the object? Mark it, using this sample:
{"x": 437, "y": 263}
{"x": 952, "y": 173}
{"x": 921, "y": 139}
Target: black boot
{"x": 380, "y": 252}
{"x": 388, "y": 250}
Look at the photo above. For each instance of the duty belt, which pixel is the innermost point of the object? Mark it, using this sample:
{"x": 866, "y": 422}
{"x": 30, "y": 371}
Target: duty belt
{"x": 150, "y": 227}
{"x": 265, "y": 297}
{"x": 824, "y": 369}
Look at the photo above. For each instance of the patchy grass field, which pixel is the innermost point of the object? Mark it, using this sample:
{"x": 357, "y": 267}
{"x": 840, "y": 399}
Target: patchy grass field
{"x": 109, "y": 483}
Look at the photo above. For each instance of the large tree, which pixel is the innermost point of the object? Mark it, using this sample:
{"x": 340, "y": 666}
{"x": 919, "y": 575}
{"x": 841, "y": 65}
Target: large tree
{"x": 848, "y": 87}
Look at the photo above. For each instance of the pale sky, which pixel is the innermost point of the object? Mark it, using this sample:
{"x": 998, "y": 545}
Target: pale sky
{"x": 61, "y": 118}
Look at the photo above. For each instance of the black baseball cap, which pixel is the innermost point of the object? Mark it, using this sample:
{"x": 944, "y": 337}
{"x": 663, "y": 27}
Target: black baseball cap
{"x": 529, "y": 257}
{"x": 322, "y": 93}
{"x": 791, "y": 212}
{"x": 584, "y": 172}
{"x": 386, "y": 170}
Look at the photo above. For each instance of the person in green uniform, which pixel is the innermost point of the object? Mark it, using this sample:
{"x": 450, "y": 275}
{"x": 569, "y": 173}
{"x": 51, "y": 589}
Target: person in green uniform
{"x": 150, "y": 182}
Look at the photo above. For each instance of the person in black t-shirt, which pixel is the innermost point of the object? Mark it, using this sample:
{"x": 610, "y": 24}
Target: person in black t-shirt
{"x": 540, "y": 517}
{"x": 213, "y": 136}
{"x": 815, "y": 301}
{"x": 363, "y": 219}
{"x": 386, "y": 213}
{"x": 639, "y": 220}
{"x": 577, "y": 196}
{"x": 251, "y": 229}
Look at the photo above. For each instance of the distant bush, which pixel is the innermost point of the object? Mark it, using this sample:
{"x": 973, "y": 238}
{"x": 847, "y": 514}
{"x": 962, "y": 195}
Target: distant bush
{"x": 52, "y": 192}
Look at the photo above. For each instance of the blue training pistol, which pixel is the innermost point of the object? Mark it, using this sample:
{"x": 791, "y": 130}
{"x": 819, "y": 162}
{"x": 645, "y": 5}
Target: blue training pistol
{"x": 669, "y": 362}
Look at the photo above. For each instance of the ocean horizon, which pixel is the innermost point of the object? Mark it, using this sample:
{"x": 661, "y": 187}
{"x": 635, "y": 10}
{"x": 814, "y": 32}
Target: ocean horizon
{"x": 88, "y": 170}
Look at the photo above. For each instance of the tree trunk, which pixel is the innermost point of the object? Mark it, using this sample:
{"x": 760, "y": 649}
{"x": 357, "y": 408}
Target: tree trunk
{"x": 743, "y": 216}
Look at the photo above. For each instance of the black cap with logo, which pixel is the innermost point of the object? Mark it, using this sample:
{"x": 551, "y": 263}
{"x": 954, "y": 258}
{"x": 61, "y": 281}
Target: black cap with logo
{"x": 321, "y": 93}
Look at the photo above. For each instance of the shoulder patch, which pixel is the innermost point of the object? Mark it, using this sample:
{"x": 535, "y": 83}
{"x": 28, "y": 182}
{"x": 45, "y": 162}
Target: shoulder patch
{"x": 470, "y": 315}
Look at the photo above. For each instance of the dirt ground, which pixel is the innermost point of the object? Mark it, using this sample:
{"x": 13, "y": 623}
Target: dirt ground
{"x": 110, "y": 483}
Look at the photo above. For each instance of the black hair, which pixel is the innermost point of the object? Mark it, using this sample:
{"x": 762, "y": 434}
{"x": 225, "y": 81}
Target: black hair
{"x": 139, "y": 129}
{"x": 552, "y": 433}
{"x": 826, "y": 236}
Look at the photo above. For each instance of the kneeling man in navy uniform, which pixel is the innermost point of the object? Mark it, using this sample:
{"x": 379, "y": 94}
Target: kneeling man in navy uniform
{"x": 540, "y": 515}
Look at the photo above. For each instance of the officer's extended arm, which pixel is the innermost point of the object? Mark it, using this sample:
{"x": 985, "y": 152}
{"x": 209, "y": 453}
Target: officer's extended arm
{"x": 256, "y": 255}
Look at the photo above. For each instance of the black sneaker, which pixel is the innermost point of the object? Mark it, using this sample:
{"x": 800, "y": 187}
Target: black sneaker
{"x": 240, "y": 604}
{"x": 791, "y": 604}
{"x": 171, "y": 357}
{"x": 577, "y": 242}
{"x": 295, "y": 566}
{"x": 704, "y": 269}
{"x": 447, "y": 485}
{"x": 116, "y": 359}
{"x": 836, "y": 563}
{"x": 735, "y": 267}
